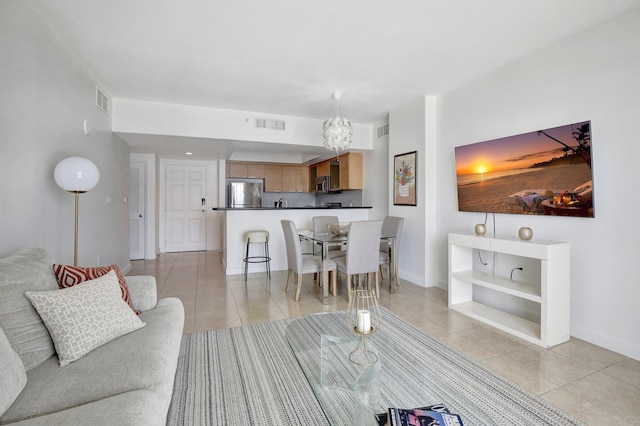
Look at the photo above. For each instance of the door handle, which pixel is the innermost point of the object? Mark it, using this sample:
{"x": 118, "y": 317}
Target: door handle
{"x": 140, "y": 215}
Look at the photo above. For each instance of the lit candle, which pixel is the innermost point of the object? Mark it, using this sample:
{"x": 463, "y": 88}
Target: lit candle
{"x": 364, "y": 321}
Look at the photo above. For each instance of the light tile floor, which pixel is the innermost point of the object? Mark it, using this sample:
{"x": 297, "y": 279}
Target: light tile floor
{"x": 595, "y": 385}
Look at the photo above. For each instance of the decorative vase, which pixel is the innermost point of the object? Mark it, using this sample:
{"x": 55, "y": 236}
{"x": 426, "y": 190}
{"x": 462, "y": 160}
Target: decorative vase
{"x": 403, "y": 190}
{"x": 525, "y": 233}
{"x": 480, "y": 229}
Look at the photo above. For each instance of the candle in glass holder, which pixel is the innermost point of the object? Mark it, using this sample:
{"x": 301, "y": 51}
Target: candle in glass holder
{"x": 364, "y": 321}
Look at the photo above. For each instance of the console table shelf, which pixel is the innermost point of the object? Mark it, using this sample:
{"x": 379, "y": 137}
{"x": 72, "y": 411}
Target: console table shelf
{"x": 504, "y": 285}
{"x": 550, "y": 293}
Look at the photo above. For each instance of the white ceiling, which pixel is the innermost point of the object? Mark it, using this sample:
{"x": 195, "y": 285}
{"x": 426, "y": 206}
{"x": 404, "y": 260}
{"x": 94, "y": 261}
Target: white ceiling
{"x": 286, "y": 56}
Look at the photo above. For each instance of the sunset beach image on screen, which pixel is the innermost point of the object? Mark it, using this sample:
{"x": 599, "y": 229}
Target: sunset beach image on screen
{"x": 544, "y": 172}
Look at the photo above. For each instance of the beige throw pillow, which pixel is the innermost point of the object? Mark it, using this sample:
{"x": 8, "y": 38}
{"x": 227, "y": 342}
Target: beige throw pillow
{"x": 85, "y": 316}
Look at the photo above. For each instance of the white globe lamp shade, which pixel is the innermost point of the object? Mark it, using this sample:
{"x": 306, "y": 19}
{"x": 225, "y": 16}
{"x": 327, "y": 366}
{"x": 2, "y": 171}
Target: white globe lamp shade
{"x": 76, "y": 174}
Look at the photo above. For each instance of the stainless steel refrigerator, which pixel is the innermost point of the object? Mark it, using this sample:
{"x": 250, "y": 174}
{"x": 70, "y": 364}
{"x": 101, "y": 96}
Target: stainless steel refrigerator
{"x": 244, "y": 193}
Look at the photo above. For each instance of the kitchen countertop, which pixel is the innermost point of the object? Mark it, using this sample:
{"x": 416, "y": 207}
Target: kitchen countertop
{"x": 291, "y": 208}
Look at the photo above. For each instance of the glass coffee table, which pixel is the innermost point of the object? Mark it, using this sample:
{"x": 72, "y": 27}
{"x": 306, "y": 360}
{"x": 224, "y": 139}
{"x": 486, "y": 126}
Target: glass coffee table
{"x": 348, "y": 393}
{"x": 413, "y": 370}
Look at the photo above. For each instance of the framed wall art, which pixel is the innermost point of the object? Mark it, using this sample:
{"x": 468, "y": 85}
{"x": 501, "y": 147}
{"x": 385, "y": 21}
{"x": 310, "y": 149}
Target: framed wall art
{"x": 405, "y": 173}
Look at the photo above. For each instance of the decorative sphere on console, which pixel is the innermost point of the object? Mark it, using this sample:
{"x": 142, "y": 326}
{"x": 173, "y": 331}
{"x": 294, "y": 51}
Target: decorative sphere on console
{"x": 525, "y": 233}
{"x": 480, "y": 229}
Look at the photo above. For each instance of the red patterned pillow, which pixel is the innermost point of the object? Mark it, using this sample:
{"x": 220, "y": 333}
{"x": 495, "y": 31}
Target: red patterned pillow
{"x": 68, "y": 276}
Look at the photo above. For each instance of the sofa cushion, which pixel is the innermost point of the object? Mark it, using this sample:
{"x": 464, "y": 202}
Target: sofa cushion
{"x": 145, "y": 359}
{"x": 84, "y": 317}
{"x": 143, "y": 290}
{"x": 28, "y": 269}
{"x": 135, "y": 408}
{"x": 13, "y": 376}
{"x": 68, "y": 276}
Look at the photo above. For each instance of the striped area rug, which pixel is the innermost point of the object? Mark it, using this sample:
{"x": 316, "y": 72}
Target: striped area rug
{"x": 250, "y": 376}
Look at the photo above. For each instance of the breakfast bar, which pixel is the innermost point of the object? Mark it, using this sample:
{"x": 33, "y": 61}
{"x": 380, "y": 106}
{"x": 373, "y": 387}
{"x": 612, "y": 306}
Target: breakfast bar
{"x": 238, "y": 221}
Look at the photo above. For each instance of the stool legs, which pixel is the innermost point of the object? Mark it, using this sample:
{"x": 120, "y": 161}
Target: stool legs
{"x": 246, "y": 261}
{"x": 257, "y": 259}
{"x": 268, "y": 261}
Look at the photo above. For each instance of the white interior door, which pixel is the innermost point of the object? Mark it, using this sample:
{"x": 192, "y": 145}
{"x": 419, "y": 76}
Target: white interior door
{"x": 136, "y": 210}
{"x": 185, "y": 209}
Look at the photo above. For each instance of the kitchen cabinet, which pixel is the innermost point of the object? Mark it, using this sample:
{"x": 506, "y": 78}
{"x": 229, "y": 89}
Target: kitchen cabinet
{"x": 288, "y": 179}
{"x": 323, "y": 168}
{"x": 273, "y": 179}
{"x": 277, "y": 177}
{"x": 313, "y": 175}
{"x": 237, "y": 170}
{"x": 302, "y": 179}
{"x": 351, "y": 171}
{"x": 345, "y": 174}
{"x": 257, "y": 171}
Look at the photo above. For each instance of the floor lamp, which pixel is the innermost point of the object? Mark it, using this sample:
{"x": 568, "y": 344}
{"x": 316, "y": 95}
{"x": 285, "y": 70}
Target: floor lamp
{"x": 76, "y": 175}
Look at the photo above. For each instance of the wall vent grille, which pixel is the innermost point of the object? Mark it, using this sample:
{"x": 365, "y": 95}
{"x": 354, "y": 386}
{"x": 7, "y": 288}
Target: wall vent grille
{"x": 263, "y": 123}
{"x": 383, "y": 130}
{"x": 102, "y": 101}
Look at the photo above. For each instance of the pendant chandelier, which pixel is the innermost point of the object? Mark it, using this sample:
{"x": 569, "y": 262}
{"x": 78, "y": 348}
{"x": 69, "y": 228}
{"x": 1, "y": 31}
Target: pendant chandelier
{"x": 337, "y": 131}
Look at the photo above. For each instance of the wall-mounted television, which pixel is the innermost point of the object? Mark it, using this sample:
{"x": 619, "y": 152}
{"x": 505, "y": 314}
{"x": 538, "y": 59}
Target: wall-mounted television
{"x": 545, "y": 172}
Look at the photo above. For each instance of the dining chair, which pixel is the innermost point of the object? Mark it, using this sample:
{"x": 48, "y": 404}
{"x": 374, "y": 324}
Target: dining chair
{"x": 300, "y": 264}
{"x": 391, "y": 226}
{"x": 363, "y": 246}
{"x": 320, "y": 225}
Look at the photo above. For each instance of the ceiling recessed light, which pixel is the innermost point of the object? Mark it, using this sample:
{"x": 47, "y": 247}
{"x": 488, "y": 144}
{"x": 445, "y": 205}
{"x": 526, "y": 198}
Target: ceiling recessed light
{"x": 188, "y": 153}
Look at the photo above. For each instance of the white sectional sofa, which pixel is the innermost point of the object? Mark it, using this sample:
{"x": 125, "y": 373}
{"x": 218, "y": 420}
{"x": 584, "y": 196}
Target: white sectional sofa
{"x": 127, "y": 381}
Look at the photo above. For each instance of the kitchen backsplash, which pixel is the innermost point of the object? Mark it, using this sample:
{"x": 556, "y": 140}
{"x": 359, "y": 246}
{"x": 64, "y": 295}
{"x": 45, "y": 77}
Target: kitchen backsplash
{"x": 350, "y": 198}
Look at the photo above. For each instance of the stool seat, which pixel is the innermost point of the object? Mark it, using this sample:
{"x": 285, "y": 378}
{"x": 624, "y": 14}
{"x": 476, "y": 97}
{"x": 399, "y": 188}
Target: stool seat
{"x": 257, "y": 237}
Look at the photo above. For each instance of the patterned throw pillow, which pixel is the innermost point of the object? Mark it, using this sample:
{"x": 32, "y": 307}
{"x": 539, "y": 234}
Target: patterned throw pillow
{"x": 85, "y": 316}
{"x": 68, "y": 276}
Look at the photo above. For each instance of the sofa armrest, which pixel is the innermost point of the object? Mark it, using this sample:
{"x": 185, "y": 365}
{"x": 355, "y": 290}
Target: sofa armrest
{"x": 143, "y": 290}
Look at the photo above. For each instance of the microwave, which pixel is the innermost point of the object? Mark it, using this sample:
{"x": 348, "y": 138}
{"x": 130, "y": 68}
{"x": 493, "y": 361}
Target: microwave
{"x": 322, "y": 184}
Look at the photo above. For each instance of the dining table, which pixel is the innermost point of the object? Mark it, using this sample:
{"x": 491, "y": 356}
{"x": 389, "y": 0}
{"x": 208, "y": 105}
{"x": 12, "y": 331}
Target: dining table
{"x": 328, "y": 239}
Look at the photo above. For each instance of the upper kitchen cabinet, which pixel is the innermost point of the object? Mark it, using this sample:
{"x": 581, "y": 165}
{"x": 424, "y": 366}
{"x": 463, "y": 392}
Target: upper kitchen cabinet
{"x": 237, "y": 170}
{"x": 257, "y": 171}
{"x": 277, "y": 177}
{"x": 273, "y": 179}
{"x": 302, "y": 179}
{"x": 323, "y": 168}
{"x": 351, "y": 171}
{"x": 294, "y": 179}
{"x": 345, "y": 174}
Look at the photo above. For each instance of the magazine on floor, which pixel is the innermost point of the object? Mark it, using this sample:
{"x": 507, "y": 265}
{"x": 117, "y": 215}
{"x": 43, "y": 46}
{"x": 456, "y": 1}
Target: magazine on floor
{"x": 404, "y": 417}
{"x": 431, "y": 415}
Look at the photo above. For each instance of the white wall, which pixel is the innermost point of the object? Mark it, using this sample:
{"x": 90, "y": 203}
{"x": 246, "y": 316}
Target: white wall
{"x": 156, "y": 118}
{"x": 594, "y": 76}
{"x": 46, "y": 95}
{"x": 377, "y": 176}
{"x": 406, "y": 134}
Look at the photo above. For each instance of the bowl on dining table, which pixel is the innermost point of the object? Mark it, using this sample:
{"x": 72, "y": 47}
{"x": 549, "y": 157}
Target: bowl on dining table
{"x": 338, "y": 229}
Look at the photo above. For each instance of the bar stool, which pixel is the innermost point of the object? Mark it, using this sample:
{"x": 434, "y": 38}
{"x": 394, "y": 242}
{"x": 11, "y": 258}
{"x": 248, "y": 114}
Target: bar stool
{"x": 257, "y": 237}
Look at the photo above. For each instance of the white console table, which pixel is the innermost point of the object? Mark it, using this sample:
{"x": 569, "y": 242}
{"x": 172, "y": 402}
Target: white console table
{"x": 550, "y": 293}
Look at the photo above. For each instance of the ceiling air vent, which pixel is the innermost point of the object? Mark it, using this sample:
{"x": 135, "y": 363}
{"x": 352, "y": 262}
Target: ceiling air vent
{"x": 383, "y": 130}
{"x": 102, "y": 101}
{"x": 263, "y": 123}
